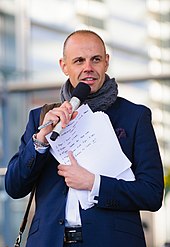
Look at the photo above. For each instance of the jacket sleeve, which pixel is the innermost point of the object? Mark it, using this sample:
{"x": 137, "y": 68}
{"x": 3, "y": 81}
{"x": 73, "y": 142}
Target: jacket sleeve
{"x": 25, "y": 166}
{"x": 146, "y": 192}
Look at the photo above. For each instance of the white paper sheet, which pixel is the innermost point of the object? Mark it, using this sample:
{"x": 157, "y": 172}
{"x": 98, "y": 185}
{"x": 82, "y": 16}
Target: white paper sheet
{"x": 92, "y": 139}
{"x": 94, "y": 143}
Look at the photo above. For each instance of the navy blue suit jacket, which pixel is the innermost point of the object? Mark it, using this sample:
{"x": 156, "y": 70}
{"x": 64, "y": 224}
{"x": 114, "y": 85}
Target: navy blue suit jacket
{"x": 115, "y": 220}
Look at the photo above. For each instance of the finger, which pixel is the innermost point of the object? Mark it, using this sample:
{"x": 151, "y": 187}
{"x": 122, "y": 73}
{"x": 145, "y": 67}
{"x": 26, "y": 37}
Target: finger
{"x": 74, "y": 115}
{"x": 63, "y": 114}
{"x": 50, "y": 116}
{"x": 72, "y": 158}
{"x": 67, "y": 105}
{"x": 60, "y": 172}
{"x": 61, "y": 167}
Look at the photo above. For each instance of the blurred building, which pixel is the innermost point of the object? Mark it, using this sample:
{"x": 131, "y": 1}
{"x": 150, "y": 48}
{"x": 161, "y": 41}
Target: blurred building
{"x": 137, "y": 34}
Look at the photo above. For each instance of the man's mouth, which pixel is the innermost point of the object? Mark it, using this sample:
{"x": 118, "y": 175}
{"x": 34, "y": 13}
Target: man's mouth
{"x": 89, "y": 79}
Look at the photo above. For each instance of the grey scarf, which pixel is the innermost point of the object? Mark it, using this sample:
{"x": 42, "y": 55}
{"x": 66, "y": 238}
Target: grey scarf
{"x": 99, "y": 101}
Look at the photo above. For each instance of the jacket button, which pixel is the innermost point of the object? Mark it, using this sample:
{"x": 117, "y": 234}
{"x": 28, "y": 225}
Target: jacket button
{"x": 61, "y": 222}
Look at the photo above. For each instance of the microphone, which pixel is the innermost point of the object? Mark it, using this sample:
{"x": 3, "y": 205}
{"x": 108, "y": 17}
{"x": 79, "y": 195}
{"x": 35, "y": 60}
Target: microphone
{"x": 79, "y": 94}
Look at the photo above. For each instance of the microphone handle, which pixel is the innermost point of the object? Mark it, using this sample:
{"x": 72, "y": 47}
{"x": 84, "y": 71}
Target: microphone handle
{"x": 75, "y": 102}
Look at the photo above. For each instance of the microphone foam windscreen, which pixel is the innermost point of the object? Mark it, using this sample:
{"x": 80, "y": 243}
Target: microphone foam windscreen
{"x": 81, "y": 91}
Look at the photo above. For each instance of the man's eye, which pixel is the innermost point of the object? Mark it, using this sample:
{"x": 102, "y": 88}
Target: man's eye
{"x": 96, "y": 59}
{"x": 79, "y": 61}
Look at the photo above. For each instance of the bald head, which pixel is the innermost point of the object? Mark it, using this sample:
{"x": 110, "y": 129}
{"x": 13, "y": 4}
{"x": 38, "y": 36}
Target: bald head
{"x": 85, "y": 33}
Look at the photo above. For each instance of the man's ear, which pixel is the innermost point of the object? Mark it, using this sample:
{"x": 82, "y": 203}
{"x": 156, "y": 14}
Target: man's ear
{"x": 107, "y": 62}
{"x": 63, "y": 66}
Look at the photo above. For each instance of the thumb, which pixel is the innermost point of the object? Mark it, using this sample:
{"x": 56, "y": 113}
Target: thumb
{"x": 72, "y": 158}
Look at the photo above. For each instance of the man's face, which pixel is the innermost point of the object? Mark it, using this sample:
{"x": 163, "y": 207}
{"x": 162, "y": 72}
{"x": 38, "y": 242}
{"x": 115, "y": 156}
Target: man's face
{"x": 85, "y": 61}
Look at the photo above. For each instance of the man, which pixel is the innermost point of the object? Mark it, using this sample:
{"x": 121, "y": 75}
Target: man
{"x": 114, "y": 220}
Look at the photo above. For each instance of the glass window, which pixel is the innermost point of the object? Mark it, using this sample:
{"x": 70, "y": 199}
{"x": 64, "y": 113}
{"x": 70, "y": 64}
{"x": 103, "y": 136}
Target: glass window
{"x": 7, "y": 41}
{"x": 91, "y": 21}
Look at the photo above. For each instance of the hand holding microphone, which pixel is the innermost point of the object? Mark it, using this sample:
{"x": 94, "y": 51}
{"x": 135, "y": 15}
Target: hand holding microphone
{"x": 79, "y": 94}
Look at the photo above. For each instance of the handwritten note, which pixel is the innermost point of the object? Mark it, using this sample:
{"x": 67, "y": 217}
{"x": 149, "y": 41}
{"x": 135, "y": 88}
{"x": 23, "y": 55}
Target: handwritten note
{"x": 76, "y": 137}
{"x": 91, "y": 138}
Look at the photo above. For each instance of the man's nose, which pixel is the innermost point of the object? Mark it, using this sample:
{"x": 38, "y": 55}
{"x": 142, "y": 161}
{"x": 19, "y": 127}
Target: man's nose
{"x": 88, "y": 66}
